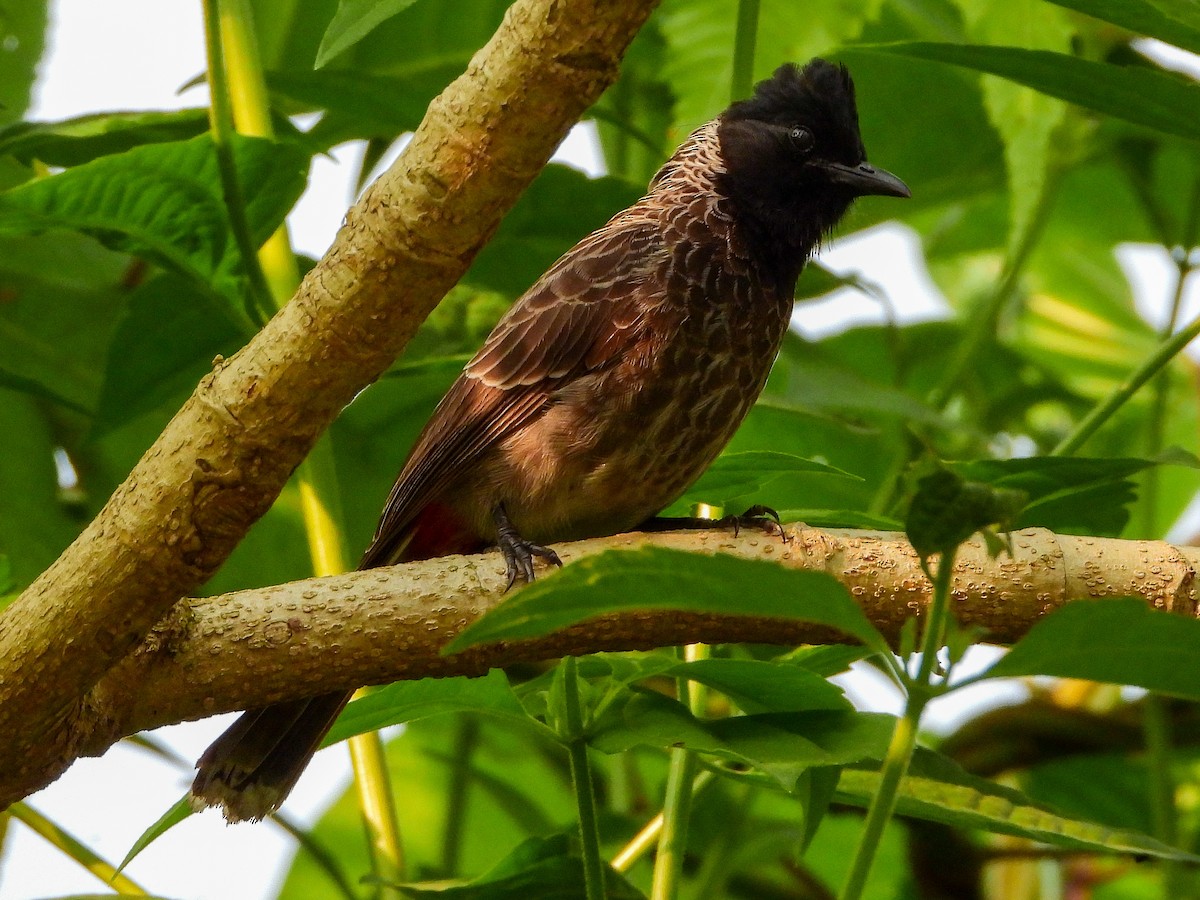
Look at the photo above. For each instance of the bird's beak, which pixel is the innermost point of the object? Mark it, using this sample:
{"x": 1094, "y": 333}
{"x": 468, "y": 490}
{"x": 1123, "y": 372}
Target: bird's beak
{"x": 865, "y": 179}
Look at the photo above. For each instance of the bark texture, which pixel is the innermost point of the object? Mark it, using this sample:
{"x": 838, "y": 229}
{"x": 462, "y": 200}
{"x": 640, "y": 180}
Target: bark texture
{"x": 222, "y": 460}
{"x": 323, "y": 634}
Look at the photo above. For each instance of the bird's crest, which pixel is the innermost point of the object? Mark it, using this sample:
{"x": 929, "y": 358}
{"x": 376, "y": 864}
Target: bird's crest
{"x": 819, "y": 95}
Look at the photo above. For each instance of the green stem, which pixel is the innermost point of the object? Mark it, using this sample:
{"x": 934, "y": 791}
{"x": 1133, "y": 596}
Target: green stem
{"x": 258, "y": 298}
{"x": 983, "y": 323}
{"x": 681, "y": 778}
{"x": 71, "y": 847}
{"x": 1156, "y": 728}
{"x": 744, "y": 41}
{"x": 672, "y": 840}
{"x": 712, "y": 879}
{"x": 895, "y": 764}
{"x": 1103, "y": 411}
{"x": 239, "y": 100}
{"x": 460, "y": 781}
{"x": 252, "y": 116}
{"x": 980, "y": 328}
{"x": 1158, "y": 410}
{"x": 378, "y": 811}
{"x": 320, "y": 855}
{"x": 904, "y": 737}
{"x": 641, "y": 843}
{"x": 583, "y": 780}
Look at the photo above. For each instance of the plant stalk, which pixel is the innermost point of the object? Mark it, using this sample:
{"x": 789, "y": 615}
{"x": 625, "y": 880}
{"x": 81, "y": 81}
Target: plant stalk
{"x": 745, "y": 41}
{"x": 904, "y": 737}
{"x": 220, "y": 116}
{"x": 1104, "y": 410}
{"x": 583, "y": 781}
{"x": 681, "y": 779}
{"x": 641, "y": 843}
{"x": 71, "y": 847}
{"x": 240, "y": 102}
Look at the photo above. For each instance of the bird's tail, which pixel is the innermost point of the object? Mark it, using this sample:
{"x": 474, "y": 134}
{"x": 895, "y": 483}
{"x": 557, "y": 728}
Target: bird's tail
{"x": 253, "y": 765}
{"x": 251, "y": 768}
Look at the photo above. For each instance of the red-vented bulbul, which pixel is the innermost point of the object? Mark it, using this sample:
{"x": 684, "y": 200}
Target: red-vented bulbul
{"x": 613, "y": 382}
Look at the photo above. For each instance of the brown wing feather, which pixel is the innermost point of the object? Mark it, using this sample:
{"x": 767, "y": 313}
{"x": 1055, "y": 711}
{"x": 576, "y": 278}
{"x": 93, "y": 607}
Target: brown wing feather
{"x": 581, "y": 316}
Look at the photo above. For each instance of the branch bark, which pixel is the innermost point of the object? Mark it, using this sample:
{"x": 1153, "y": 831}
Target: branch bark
{"x": 323, "y": 634}
{"x": 222, "y": 460}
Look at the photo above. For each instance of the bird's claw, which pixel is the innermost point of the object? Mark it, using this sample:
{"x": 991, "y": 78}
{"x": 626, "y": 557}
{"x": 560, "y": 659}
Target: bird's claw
{"x": 519, "y": 553}
{"x": 757, "y": 516}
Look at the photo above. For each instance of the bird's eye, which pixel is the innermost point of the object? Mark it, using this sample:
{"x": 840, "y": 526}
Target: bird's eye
{"x": 802, "y": 138}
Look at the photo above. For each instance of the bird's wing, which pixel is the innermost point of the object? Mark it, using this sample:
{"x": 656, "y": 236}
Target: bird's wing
{"x": 581, "y": 316}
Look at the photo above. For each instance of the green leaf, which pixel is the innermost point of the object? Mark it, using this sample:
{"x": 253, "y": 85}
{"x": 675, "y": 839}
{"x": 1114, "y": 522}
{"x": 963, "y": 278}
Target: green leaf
{"x": 1173, "y": 21}
{"x": 363, "y": 105}
{"x": 938, "y": 790}
{"x": 815, "y": 790}
{"x": 946, "y": 510}
{"x": 24, "y": 32}
{"x": 407, "y": 701}
{"x": 1075, "y": 496}
{"x": 352, "y": 22}
{"x": 62, "y": 295}
{"x": 781, "y": 744}
{"x": 35, "y": 388}
{"x": 749, "y": 473}
{"x": 35, "y": 524}
{"x": 73, "y": 142}
{"x": 167, "y": 340}
{"x": 1143, "y": 96}
{"x": 1112, "y": 789}
{"x": 759, "y": 686}
{"x": 657, "y": 578}
{"x": 165, "y": 201}
{"x": 1121, "y": 640}
{"x": 515, "y": 778}
{"x": 180, "y": 810}
{"x": 1027, "y": 122}
{"x": 561, "y": 207}
{"x": 540, "y": 867}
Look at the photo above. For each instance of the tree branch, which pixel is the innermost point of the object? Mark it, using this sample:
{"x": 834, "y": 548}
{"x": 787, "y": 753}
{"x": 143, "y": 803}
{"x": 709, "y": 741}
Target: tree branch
{"x": 322, "y": 634}
{"x": 222, "y": 460}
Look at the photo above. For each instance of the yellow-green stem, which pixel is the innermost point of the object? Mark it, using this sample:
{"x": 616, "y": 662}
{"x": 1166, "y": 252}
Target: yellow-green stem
{"x": 1158, "y": 407}
{"x": 672, "y": 839}
{"x": 1104, "y": 410}
{"x": 582, "y": 779}
{"x": 252, "y": 116}
{"x": 258, "y": 297}
{"x": 368, "y": 757}
{"x": 71, "y": 847}
{"x": 240, "y": 95}
{"x": 745, "y": 41}
{"x": 1156, "y": 728}
{"x": 641, "y": 843}
{"x": 677, "y": 805}
{"x": 465, "y": 742}
{"x": 904, "y": 737}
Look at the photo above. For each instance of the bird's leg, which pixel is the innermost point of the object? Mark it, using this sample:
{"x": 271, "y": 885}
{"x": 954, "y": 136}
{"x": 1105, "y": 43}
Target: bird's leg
{"x": 518, "y": 552}
{"x": 757, "y": 516}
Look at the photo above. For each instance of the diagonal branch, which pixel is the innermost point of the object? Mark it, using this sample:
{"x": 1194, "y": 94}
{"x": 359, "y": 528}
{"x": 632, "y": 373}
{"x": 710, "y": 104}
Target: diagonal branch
{"x": 222, "y": 460}
{"x": 278, "y": 643}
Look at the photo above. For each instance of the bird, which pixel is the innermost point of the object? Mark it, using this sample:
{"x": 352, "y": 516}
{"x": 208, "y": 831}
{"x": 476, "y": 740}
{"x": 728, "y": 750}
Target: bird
{"x": 611, "y": 384}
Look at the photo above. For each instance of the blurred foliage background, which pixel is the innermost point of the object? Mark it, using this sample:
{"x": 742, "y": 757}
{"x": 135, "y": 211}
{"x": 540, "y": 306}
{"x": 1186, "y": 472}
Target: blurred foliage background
{"x": 1036, "y": 137}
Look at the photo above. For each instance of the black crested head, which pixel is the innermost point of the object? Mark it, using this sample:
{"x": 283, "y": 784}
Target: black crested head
{"x": 795, "y": 161}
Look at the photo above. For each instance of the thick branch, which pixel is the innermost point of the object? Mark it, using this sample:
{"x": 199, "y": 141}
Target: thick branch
{"x": 224, "y": 457}
{"x": 308, "y": 637}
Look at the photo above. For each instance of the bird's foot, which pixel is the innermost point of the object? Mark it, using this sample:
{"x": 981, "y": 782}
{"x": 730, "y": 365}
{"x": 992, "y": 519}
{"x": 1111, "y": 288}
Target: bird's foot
{"x": 518, "y": 552}
{"x": 758, "y": 516}
{"x": 761, "y": 517}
